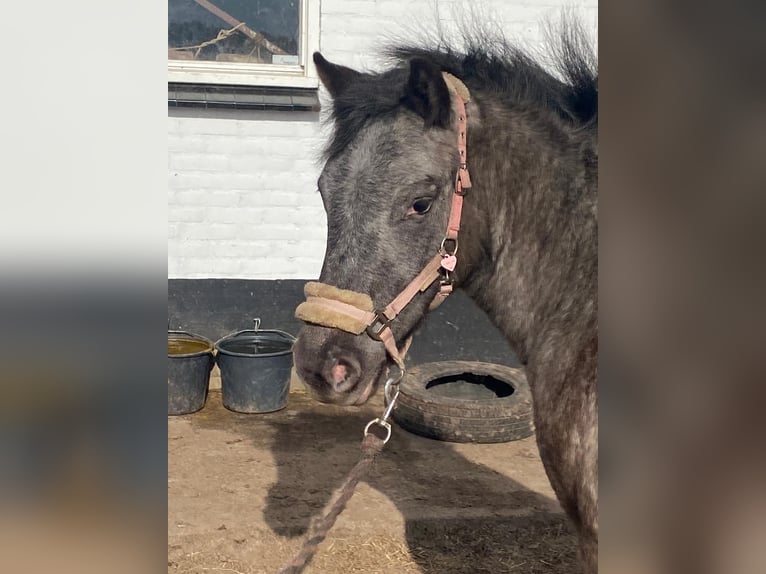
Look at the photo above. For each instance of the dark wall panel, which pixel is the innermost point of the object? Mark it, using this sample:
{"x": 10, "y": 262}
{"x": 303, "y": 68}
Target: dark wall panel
{"x": 214, "y": 307}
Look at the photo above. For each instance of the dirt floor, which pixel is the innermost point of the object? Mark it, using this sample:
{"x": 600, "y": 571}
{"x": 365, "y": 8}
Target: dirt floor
{"x": 242, "y": 489}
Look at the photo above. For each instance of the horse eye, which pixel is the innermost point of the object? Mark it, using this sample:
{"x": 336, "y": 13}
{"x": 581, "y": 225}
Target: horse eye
{"x": 421, "y": 205}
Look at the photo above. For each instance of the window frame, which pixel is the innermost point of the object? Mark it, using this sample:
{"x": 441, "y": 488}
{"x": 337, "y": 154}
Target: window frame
{"x": 301, "y": 75}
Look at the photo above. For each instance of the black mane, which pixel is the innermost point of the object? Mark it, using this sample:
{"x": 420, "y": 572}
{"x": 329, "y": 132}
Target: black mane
{"x": 485, "y": 63}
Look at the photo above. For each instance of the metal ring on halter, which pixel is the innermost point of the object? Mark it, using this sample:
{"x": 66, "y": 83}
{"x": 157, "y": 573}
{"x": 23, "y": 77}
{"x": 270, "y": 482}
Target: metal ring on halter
{"x": 380, "y": 422}
{"x": 442, "y": 248}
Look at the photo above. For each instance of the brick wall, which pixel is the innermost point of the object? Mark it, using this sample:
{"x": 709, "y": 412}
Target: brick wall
{"x": 242, "y": 199}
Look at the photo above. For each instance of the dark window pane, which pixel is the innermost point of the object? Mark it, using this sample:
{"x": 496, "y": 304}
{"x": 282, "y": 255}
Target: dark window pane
{"x": 253, "y": 31}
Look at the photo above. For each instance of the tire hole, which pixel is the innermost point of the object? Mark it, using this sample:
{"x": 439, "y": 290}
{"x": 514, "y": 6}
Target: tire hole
{"x": 470, "y": 386}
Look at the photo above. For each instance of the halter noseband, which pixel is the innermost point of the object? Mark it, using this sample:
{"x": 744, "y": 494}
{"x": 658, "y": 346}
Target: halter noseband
{"x": 354, "y": 312}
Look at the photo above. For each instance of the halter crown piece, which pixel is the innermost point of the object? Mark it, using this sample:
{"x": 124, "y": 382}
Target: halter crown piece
{"x": 354, "y": 312}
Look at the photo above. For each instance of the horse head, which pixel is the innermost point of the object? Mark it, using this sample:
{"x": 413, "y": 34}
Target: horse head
{"x": 387, "y": 188}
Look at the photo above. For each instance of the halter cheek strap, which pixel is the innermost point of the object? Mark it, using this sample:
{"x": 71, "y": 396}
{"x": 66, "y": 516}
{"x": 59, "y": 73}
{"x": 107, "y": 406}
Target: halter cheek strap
{"x": 354, "y": 312}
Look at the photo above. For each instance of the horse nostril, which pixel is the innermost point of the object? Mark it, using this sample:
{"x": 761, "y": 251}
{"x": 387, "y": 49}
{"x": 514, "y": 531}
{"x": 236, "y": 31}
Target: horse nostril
{"x": 339, "y": 372}
{"x": 343, "y": 373}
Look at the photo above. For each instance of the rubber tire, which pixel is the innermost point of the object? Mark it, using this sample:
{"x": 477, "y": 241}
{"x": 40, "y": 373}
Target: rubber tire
{"x": 501, "y": 419}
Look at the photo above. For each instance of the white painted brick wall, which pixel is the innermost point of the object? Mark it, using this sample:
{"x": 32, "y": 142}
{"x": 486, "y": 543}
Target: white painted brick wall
{"x": 242, "y": 199}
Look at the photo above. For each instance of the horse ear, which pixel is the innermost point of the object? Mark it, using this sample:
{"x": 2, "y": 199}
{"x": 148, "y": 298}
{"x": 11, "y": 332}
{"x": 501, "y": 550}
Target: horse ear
{"x": 427, "y": 94}
{"x": 334, "y": 77}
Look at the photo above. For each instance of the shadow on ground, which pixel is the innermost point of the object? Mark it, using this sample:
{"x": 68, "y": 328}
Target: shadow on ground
{"x": 459, "y": 516}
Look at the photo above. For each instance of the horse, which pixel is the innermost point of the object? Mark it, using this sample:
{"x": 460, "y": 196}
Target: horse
{"x": 528, "y": 226}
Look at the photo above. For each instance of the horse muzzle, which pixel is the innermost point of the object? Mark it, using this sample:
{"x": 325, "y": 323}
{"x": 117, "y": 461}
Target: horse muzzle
{"x": 338, "y": 367}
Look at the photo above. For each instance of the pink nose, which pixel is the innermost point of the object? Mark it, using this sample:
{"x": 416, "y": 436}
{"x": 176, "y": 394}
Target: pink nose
{"x": 342, "y": 373}
{"x": 339, "y": 373}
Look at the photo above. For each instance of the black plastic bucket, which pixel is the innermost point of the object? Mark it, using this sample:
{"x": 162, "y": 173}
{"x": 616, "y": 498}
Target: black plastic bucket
{"x": 255, "y": 370}
{"x": 190, "y": 360}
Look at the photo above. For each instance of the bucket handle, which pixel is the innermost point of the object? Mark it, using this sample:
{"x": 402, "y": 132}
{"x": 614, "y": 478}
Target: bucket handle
{"x": 231, "y": 336}
{"x": 257, "y": 323}
{"x": 182, "y": 332}
{"x": 255, "y": 329}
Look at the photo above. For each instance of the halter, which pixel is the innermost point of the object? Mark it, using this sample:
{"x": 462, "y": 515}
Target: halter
{"x": 354, "y": 312}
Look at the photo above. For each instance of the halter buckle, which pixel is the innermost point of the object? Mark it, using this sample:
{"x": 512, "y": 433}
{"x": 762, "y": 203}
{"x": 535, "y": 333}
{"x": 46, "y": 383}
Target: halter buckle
{"x": 379, "y": 324}
{"x": 463, "y": 178}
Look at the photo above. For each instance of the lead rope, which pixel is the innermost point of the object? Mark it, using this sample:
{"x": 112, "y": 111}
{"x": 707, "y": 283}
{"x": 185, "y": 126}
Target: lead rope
{"x": 371, "y": 447}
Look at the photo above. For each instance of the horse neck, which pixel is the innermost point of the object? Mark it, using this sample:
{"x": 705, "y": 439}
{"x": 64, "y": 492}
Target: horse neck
{"x": 530, "y": 228}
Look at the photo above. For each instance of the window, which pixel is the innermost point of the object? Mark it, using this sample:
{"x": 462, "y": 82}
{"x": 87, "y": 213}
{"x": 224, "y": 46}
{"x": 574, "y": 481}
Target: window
{"x": 243, "y": 42}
